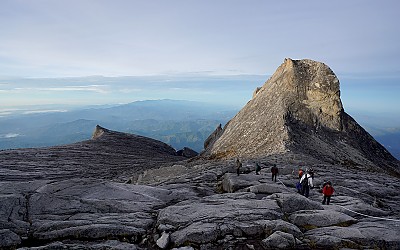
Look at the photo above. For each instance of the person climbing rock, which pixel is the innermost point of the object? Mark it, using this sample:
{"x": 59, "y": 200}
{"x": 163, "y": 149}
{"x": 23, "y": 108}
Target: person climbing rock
{"x": 306, "y": 183}
{"x": 274, "y": 171}
{"x": 327, "y": 191}
{"x": 238, "y": 166}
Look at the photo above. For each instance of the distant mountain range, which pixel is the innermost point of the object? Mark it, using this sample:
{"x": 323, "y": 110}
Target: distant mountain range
{"x": 175, "y": 122}
{"x": 178, "y": 123}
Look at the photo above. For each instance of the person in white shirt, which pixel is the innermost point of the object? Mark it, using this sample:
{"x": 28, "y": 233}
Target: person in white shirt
{"x": 306, "y": 182}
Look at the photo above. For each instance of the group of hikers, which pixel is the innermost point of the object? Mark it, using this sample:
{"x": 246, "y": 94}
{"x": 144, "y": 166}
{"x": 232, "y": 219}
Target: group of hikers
{"x": 303, "y": 185}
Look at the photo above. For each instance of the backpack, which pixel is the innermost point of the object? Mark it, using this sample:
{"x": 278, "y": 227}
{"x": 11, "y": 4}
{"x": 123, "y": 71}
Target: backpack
{"x": 304, "y": 183}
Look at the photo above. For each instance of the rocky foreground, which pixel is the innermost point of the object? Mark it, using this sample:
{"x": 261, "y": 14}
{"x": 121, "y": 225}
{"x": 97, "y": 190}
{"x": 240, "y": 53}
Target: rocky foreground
{"x": 202, "y": 205}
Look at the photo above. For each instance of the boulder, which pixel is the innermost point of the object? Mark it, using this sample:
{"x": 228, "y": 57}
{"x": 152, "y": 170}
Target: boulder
{"x": 271, "y": 226}
{"x": 320, "y": 218}
{"x": 292, "y": 202}
{"x": 266, "y": 188}
{"x": 233, "y": 182}
{"x": 198, "y": 233}
{"x": 279, "y": 240}
{"x": 163, "y": 241}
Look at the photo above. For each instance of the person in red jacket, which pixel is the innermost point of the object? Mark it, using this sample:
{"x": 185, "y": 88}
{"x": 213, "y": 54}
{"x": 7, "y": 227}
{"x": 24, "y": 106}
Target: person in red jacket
{"x": 327, "y": 191}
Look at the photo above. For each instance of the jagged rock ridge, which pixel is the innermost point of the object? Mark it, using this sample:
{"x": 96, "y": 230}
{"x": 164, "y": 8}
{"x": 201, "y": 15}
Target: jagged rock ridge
{"x": 299, "y": 109}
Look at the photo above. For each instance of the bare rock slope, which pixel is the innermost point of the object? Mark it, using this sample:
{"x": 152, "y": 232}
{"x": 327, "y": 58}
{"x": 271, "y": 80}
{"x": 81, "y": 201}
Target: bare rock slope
{"x": 299, "y": 109}
{"x": 108, "y": 155}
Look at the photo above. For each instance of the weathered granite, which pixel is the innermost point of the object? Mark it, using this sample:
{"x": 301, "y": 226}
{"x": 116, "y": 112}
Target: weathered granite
{"x": 292, "y": 202}
{"x": 187, "y": 208}
{"x": 266, "y": 188}
{"x": 9, "y": 239}
{"x": 279, "y": 240}
{"x": 233, "y": 182}
{"x": 271, "y": 226}
{"x": 240, "y": 207}
{"x": 299, "y": 110}
{"x": 217, "y": 216}
{"x": 82, "y": 209}
{"x": 197, "y": 232}
{"x": 109, "y": 244}
{"x": 163, "y": 241}
{"x": 359, "y": 235}
{"x": 320, "y": 218}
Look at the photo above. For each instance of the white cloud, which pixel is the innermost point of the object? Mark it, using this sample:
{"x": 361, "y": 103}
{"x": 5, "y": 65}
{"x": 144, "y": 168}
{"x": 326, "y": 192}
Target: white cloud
{"x": 102, "y": 89}
{"x": 94, "y": 88}
{"x": 9, "y": 135}
{"x": 43, "y": 111}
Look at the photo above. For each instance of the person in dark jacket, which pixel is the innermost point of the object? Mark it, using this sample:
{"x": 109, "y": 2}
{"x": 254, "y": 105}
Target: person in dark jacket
{"x": 306, "y": 183}
{"x": 258, "y": 168}
{"x": 327, "y": 191}
{"x": 238, "y": 166}
{"x": 274, "y": 171}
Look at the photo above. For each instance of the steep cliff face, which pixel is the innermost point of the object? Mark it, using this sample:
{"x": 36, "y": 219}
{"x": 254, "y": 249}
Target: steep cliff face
{"x": 299, "y": 109}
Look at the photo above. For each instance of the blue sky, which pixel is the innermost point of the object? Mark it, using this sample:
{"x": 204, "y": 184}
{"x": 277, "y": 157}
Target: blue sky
{"x": 207, "y": 40}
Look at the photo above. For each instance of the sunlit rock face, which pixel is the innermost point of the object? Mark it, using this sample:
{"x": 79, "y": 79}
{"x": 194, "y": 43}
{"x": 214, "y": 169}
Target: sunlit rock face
{"x": 299, "y": 109}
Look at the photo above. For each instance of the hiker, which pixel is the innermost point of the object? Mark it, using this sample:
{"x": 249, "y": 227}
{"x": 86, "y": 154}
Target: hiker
{"x": 258, "y": 168}
{"x": 306, "y": 184}
{"x": 300, "y": 173}
{"x": 327, "y": 191}
{"x": 238, "y": 166}
{"x": 274, "y": 171}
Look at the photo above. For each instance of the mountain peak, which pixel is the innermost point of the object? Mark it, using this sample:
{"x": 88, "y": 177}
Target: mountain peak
{"x": 299, "y": 109}
{"x": 98, "y": 132}
{"x": 308, "y": 90}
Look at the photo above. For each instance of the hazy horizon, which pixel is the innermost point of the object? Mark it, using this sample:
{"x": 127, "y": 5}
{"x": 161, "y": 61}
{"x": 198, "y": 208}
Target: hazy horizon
{"x": 101, "y": 52}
